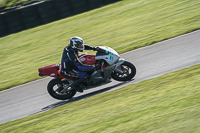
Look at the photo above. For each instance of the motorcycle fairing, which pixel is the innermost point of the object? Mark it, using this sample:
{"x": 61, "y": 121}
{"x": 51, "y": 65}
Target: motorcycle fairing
{"x": 108, "y": 54}
{"x": 102, "y": 75}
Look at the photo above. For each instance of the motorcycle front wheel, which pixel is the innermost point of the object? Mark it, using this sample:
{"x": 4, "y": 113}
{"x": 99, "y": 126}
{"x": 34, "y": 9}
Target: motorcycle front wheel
{"x": 56, "y": 89}
{"x": 129, "y": 71}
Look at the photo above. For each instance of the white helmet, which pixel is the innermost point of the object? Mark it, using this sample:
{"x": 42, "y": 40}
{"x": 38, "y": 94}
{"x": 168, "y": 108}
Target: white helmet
{"x": 77, "y": 43}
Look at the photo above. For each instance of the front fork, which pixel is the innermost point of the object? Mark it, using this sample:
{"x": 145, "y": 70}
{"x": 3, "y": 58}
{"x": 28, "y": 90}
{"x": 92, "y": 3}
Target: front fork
{"x": 118, "y": 67}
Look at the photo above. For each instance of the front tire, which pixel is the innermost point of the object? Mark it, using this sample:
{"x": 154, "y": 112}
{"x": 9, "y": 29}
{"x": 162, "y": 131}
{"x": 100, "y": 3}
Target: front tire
{"x": 55, "y": 87}
{"x": 129, "y": 72}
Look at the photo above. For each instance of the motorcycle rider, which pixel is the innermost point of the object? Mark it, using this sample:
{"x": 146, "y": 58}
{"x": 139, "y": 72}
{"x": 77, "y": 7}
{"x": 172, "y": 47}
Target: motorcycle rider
{"x": 71, "y": 65}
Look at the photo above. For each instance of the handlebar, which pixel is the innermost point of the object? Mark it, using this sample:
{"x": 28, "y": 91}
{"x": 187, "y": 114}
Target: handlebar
{"x": 100, "y": 50}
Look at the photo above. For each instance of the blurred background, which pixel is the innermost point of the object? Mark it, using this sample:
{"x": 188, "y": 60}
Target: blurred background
{"x": 17, "y": 15}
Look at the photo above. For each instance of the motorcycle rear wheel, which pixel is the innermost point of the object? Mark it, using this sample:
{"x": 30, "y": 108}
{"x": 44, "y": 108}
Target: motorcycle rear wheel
{"x": 129, "y": 72}
{"x": 55, "y": 87}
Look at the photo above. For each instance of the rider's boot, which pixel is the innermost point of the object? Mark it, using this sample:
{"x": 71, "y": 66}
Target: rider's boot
{"x": 76, "y": 85}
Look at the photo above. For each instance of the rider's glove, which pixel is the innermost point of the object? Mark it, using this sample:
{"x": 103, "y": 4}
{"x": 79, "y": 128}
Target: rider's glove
{"x": 95, "y": 48}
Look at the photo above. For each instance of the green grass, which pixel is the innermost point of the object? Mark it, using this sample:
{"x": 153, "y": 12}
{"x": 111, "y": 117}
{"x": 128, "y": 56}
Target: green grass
{"x": 166, "y": 104}
{"x": 124, "y": 26}
{"x": 11, "y": 3}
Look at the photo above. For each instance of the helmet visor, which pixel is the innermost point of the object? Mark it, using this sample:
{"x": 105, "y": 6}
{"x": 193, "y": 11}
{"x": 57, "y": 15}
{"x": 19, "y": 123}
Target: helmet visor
{"x": 80, "y": 47}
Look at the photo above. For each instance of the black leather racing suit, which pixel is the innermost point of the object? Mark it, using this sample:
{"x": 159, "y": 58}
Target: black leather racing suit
{"x": 71, "y": 64}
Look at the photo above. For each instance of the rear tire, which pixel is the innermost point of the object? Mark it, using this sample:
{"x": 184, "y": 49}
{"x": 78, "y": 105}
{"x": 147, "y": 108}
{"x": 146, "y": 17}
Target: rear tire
{"x": 54, "y": 88}
{"x": 129, "y": 72}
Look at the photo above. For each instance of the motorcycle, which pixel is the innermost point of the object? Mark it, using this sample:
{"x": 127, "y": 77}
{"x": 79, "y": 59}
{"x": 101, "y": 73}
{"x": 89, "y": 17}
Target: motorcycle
{"x": 110, "y": 66}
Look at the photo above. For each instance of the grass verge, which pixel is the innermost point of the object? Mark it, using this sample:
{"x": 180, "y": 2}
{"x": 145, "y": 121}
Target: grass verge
{"x": 124, "y": 26}
{"x": 167, "y": 104}
{"x": 11, "y": 3}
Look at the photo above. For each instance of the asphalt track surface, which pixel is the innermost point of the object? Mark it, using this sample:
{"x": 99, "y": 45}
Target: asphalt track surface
{"x": 151, "y": 61}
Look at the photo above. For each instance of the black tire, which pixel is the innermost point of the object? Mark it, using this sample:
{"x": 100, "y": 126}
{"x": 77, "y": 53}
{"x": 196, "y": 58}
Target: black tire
{"x": 129, "y": 72}
{"x": 54, "y": 92}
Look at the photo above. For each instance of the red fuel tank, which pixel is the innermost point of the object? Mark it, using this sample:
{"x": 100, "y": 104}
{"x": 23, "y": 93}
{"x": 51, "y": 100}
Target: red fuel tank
{"x": 88, "y": 59}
